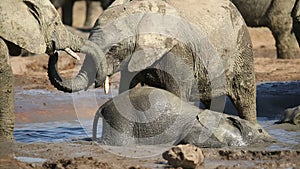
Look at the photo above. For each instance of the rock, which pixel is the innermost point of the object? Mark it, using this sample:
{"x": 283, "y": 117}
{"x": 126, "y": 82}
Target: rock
{"x": 185, "y": 156}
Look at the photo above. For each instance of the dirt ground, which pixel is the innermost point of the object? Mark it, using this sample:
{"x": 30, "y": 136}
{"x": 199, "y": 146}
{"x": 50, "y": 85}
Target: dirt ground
{"x": 31, "y": 73}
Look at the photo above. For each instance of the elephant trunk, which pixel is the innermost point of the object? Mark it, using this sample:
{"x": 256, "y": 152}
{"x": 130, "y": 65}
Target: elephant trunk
{"x": 93, "y": 65}
{"x": 68, "y": 40}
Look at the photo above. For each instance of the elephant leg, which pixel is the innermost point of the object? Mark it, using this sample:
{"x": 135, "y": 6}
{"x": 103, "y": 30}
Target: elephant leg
{"x": 242, "y": 86}
{"x": 280, "y": 23}
{"x": 6, "y": 101}
{"x": 243, "y": 97}
{"x": 91, "y": 11}
{"x": 67, "y": 12}
{"x": 88, "y": 13}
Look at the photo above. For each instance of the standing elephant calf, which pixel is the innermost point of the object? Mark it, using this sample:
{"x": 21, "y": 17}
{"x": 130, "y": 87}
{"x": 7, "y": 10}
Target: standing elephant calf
{"x": 200, "y": 52}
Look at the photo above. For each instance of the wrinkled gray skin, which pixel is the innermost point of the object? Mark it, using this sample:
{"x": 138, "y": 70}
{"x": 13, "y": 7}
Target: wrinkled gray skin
{"x": 67, "y": 10}
{"x": 210, "y": 57}
{"x": 291, "y": 115}
{"x": 278, "y": 16}
{"x": 41, "y": 32}
{"x": 149, "y": 116}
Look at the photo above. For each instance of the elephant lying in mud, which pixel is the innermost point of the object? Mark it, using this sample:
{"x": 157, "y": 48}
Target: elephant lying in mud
{"x": 33, "y": 25}
{"x": 152, "y": 116}
{"x": 198, "y": 52}
{"x": 280, "y": 16}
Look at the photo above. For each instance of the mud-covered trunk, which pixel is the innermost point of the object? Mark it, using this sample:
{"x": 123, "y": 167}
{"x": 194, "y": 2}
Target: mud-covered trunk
{"x": 7, "y": 117}
{"x": 94, "y": 69}
{"x": 82, "y": 81}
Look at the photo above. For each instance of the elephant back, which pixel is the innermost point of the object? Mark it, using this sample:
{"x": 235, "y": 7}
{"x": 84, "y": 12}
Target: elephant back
{"x": 19, "y": 25}
{"x": 215, "y": 19}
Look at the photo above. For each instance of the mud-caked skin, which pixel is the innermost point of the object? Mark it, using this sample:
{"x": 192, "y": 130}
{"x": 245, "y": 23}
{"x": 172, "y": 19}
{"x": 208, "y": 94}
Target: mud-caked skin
{"x": 147, "y": 115}
{"x": 33, "y": 25}
{"x": 279, "y": 16}
{"x": 197, "y": 52}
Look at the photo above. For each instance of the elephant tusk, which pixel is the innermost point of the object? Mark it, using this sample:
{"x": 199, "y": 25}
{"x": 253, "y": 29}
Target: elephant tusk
{"x": 106, "y": 85}
{"x": 73, "y": 54}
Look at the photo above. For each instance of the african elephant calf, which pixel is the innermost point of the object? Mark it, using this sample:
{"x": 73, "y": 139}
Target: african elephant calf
{"x": 152, "y": 116}
{"x": 200, "y": 52}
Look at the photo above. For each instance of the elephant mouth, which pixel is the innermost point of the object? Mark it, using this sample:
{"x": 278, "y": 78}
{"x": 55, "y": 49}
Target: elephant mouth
{"x": 72, "y": 53}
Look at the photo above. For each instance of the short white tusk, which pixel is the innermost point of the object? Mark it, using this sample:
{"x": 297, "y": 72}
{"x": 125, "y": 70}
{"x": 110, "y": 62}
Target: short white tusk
{"x": 73, "y": 54}
{"x": 106, "y": 85}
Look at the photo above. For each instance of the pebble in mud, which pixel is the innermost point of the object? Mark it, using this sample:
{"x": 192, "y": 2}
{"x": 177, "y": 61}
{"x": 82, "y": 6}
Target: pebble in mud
{"x": 185, "y": 156}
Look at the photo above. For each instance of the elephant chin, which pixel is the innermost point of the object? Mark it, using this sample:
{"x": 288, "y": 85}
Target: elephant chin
{"x": 82, "y": 80}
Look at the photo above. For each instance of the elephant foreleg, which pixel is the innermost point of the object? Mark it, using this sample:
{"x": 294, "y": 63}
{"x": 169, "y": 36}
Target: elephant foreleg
{"x": 89, "y": 13}
{"x": 6, "y": 100}
{"x": 280, "y": 23}
{"x": 67, "y": 12}
{"x": 243, "y": 88}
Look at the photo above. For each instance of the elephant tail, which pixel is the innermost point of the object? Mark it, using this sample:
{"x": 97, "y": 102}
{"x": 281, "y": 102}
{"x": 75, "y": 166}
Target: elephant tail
{"x": 95, "y": 123}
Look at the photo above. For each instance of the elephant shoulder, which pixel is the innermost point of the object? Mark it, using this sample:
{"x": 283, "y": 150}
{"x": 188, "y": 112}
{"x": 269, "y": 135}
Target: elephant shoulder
{"x": 19, "y": 26}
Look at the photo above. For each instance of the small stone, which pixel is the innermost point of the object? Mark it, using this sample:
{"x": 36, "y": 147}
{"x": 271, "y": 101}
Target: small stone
{"x": 185, "y": 156}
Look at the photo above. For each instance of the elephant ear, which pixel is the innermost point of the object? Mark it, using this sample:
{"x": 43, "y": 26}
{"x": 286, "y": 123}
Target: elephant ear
{"x": 149, "y": 49}
{"x": 143, "y": 58}
{"x": 20, "y": 24}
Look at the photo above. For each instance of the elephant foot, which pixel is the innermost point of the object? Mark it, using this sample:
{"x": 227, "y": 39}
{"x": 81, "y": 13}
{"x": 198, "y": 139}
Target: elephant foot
{"x": 291, "y": 115}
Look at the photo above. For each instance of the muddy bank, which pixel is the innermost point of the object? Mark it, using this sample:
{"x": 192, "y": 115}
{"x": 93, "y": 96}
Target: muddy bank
{"x": 40, "y": 106}
{"x": 89, "y": 155}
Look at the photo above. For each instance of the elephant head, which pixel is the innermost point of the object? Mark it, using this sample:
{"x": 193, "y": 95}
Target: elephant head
{"x": 35, "y": 25}
{"x": 113, "y": 45}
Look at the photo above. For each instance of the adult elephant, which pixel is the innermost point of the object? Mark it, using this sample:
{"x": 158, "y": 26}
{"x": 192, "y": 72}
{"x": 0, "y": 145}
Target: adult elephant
{"x": 67, "y": 10}
{"x": 279, "y": 17}
{"x": 194, "y": 51}
{"x": 33, "y": 25}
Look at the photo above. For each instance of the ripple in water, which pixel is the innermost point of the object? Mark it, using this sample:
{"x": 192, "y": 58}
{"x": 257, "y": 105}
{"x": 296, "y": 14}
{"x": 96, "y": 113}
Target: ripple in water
{"x": 59, "y": 131}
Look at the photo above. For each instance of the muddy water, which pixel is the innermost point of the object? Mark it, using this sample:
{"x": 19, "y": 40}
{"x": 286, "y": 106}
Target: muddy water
{"x": 47, "y": 116}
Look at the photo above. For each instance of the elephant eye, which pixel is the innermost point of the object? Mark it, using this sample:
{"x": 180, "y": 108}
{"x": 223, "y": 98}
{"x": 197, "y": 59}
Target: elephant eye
{"x": 113, "y": 48}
